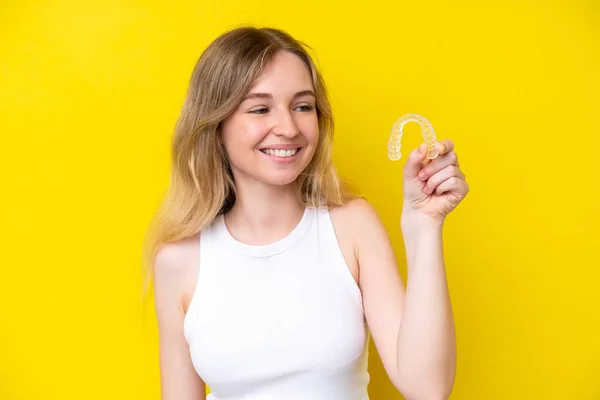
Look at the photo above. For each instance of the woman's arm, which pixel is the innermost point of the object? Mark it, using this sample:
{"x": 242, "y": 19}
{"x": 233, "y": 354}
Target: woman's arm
{"x": 179, "y": 380}
{"x": 426, "y": 349}
{"x": 411, "y": 327}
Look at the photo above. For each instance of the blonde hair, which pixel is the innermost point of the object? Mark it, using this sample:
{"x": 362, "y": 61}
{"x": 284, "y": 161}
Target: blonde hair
{"x": 201, "y": 184}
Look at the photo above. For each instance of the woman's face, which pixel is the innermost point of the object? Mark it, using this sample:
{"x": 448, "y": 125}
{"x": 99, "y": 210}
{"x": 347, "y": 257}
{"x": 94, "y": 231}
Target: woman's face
{"x": 272, "y": 135}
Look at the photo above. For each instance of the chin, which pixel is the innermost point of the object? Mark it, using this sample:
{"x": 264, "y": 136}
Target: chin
{"x": 280, "y": 179}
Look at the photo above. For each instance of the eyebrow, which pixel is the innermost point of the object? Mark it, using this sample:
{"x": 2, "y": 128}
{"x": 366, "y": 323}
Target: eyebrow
{"x": 270, "y": 96}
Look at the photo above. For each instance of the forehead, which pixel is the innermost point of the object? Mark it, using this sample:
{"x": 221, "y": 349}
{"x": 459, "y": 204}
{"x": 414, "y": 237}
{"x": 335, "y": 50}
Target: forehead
{"x": 285, "y": 72}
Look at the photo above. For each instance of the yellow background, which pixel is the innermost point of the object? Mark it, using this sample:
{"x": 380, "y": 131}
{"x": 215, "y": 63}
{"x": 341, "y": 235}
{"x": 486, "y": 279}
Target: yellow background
{"x": 89, "y": 92}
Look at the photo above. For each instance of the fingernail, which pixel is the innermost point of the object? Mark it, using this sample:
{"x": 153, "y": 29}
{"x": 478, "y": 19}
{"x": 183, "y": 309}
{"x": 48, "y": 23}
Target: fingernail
{"x": 422, "y": 175}
{"x": 422, "y": 149}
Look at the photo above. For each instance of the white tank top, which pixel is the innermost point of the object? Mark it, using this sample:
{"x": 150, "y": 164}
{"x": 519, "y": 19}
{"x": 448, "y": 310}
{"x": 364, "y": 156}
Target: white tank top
{"x": 283, "y": 321}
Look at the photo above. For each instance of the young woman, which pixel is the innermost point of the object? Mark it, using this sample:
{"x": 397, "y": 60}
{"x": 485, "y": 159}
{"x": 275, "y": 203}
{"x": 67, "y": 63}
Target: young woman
{"x": 269, "y": 276}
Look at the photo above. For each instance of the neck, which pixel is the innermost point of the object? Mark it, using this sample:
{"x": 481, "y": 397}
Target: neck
{"x": 263, "y": 214}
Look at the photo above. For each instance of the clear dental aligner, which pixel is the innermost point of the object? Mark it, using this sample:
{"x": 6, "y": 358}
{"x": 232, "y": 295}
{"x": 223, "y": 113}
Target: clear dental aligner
{"x": 396, "y": 136}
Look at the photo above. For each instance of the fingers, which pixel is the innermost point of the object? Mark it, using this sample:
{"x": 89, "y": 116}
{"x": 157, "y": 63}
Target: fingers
{"x": 443, "y": 147}
{"x": 418, "y": 165}
{"x": 415, "y": 162}
{"x": 449, "y": 157}
{"x": 444, "y": 179}
{"x": 453, "y": 184}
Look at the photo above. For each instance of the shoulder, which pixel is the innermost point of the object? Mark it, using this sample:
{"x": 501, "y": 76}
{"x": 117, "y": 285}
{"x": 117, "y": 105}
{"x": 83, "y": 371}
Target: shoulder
{"x": 176, "y": 269}
{"x": 176, "y": 258}
{"x": 357, "y": 207}
{"x": 358, "y": 227}
{"x": 358, "y": 215}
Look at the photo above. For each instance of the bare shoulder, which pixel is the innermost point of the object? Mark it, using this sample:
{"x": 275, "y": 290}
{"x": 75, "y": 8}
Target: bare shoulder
{"x": 356, "y": 208}
{"x": 358, "y": 216}
{"x": 354, "y": 223}
{"x": 176, "y": 268}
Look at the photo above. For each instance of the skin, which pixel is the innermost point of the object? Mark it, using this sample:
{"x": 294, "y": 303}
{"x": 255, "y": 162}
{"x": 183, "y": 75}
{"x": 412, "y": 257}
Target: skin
{"x": 412, "y": 326}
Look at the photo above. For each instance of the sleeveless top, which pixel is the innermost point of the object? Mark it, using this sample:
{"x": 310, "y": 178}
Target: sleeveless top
{"x": 281, "y": 321}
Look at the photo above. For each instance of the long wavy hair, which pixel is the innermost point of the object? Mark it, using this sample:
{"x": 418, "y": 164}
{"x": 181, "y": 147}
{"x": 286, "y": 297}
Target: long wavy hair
{"x": 201, "y": 183}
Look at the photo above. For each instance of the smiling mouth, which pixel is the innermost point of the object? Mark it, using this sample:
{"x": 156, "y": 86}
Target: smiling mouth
{"x": 281, "y": 153}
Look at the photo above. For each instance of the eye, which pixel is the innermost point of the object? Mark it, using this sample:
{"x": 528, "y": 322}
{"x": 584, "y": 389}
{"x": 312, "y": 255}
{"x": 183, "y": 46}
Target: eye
{"x": 260, "y": 110}
{"x": 305, "y": 108}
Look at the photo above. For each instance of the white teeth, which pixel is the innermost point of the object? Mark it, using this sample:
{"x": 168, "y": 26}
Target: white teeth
{"x": 280, "y": 153}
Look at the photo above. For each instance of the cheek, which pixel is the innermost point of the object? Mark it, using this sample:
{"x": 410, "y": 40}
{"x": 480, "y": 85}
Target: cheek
{"x": 310, "y": 129}
{"x": 240, "y": 139}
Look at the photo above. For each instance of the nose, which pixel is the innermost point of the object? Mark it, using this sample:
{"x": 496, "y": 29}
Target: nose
{"x": 285, "y": 125}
